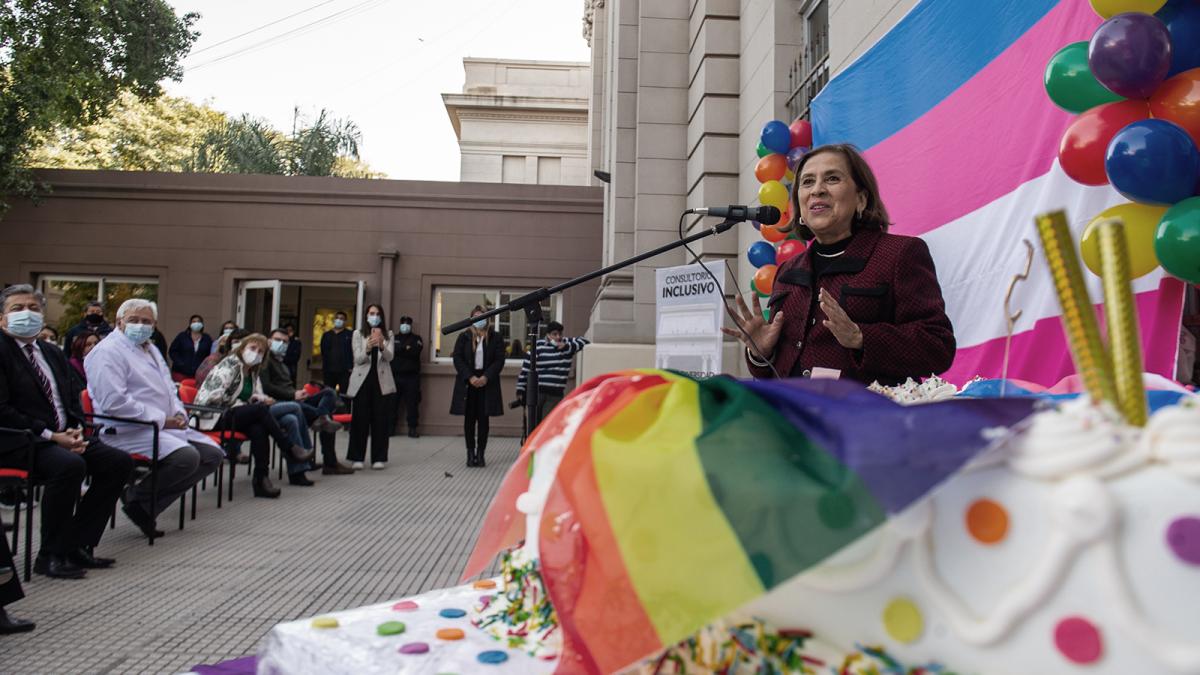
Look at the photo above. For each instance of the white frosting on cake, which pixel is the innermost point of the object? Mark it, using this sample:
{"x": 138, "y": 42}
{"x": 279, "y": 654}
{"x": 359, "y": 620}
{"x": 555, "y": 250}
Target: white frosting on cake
{"x": 912, "y": 392}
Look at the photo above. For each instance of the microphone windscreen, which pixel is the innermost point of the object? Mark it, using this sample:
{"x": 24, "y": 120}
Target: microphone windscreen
{"x": 768, "y": 215}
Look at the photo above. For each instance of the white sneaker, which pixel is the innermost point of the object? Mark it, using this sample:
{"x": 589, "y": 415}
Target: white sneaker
{"x": 357, "y": 465}
{"x": 378, "y": 466}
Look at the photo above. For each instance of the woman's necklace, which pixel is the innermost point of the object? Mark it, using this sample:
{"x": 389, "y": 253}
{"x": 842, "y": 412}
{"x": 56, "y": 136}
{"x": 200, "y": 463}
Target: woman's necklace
{"x": 831, "y": 255}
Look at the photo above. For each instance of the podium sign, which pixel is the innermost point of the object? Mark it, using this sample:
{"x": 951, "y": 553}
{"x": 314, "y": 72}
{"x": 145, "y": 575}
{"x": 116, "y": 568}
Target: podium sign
{"x": 688, "y": 318}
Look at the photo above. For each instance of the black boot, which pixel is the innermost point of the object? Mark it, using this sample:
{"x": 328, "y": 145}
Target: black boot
{"x": 470, "y": 456}
{"x": 479, "y": 458}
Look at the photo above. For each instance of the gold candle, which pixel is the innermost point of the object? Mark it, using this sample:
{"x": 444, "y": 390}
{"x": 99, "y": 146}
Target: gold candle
{"x": 1121, "y": 315}
{"x": 1078, "y": 317}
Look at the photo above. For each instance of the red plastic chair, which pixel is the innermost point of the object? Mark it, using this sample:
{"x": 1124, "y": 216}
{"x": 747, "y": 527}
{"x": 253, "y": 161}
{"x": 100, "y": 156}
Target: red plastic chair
{"x": 224, "y": 438}
{"x": 21, "y": 479}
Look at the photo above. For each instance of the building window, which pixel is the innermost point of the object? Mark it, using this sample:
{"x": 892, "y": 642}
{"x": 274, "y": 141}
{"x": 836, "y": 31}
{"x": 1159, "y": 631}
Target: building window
{"x": 451, "y": 304}
{"x": 810, "y": 71}
{"x": 549, "y": 170}
{"x": 67, "y": 296}
{"x": 513, "y": 169}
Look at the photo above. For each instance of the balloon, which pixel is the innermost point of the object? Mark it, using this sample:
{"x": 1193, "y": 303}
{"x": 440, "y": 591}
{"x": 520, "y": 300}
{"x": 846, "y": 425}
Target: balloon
{"x": 772, "y": 235}
{"x": 788, "y": 249}
{"x": 1107, "y": 8}
{"x": 772, "y": 193}
{"x": 1183, "y": 22}
{"x": 764, "y": 279}
{"x": 1130, "y": 54}
{"x": 771, "y": 167}
{"x": 766, "y": 313}
{"x": 757, "y": 225}
{"x": 788, "y": 178}
{"x": 1178, "y": 101}
{"x": 1141, "y": 222}
{"x": 778, "y": 138}
{"x": 1177, "y": 242}
{"x": 762, "y": 150}
{"x": 1153, "y": 162}
{"x": 1081, "y": 152}
{"x": 761, "y": 253}
{"x": 795, "y": 155}
{"x": 801, "y": 133}
{"x": 1070, "y": 83}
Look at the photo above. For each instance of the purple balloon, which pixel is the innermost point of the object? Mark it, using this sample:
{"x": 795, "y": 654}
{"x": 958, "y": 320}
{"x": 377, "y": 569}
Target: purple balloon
{"x": 757, "y": 225}
{"x": 1131, "y": 54}
{"x": 795, "y": 155}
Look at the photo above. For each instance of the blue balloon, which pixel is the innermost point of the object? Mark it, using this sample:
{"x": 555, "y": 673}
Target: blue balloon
{"x": 757, "y": 225}
{"x": 777, "y": 137}
{"x": 761, "y": 253}
{"x": 1153, "y": 162}
{"x": 1183, "y": 22}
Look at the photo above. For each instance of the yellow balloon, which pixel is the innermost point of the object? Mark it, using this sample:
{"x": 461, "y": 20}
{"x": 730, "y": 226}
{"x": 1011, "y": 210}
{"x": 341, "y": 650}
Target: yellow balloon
{"x": 1110, "y": 8}
{"x": 1141, "y": 223}
{"x": 772, "y": 193}
{"x": 789, "y": 177}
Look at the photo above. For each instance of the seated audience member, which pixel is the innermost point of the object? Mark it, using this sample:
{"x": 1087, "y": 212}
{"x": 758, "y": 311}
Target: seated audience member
{"x": 38, "y": 394}
{"x": 189, "y": 349}
{"x": 128, "y": 378}
{"x": 222, "y": 345}
{"x": 227, "y": 329}
{"x": 79, "y": 350}
{"x": 93, "y": 321}
{"x": 49, "y": 334}
{"x": 317, "y": 408}
{"x": 234, "y": 384}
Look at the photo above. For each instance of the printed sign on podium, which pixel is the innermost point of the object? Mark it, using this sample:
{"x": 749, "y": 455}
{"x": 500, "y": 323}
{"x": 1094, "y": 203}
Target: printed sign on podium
{"x": 689, "y": 318}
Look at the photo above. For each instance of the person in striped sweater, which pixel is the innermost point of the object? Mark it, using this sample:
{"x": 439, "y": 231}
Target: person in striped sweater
{"x": 555, "y": 355}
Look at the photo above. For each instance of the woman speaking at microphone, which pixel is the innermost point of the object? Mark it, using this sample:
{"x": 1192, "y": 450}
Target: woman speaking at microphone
{"x": 861, "y": 302}
{"x": 371, "y": 386}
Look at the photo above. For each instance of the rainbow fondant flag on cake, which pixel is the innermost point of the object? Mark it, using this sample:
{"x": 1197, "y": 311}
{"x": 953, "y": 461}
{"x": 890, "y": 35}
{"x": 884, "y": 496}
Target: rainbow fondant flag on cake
{"x": 678, "y": 501}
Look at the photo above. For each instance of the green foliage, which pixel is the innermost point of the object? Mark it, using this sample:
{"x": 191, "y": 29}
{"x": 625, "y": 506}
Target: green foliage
{"x": 64, "y": 62}
{"x": 326, "y": 147}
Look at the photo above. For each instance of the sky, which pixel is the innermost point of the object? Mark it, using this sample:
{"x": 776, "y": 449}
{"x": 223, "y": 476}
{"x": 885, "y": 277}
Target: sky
{"x": 383, "y": 64}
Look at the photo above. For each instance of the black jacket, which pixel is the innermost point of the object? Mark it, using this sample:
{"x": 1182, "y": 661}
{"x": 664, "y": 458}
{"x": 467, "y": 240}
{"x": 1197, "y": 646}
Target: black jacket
{"x": 277, "y": 380}
{"x": 407, "y": 350}
{"x": 82, "y": 327}
{"x": 337, "y": 351}
{"x": 23, "y": 404}
{"x": 464, "y": 364}
{"x": 185, "y": 358}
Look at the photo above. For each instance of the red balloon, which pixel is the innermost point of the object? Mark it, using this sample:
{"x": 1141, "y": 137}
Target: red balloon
{"x": 801, "y": 133}
{"x": 787, "y": 250}
{"x": 771, "y": 167}
{"x": 772, "y": 235}
{"x": 764, "y": 279}
{"x": 1081, "y": 152}
{"x": 1178, "y": 101}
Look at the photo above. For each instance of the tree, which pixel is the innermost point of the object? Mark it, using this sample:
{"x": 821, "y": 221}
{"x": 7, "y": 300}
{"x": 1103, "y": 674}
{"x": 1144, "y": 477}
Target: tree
{"x": 64, "y": 62}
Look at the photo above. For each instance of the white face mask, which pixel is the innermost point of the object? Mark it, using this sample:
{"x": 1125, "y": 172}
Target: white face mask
{"x": 480, "y": 325}
{"x": 278, "y": 347}
{"x": 139, "y": 333}
{"x": 405, "y": 329}
{"x": 373, "y": 320}
{"x": 251, "y": 357}
{"x": 25, "y": 323}
{"x": 196, "y": 326}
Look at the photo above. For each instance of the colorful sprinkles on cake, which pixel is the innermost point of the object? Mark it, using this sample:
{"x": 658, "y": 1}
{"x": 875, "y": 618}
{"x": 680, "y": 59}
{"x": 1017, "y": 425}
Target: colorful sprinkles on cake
{"x": 520, "y": 613}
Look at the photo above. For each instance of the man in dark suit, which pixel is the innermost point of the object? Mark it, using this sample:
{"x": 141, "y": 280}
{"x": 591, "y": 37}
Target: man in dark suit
{"x": 38, "y": 394}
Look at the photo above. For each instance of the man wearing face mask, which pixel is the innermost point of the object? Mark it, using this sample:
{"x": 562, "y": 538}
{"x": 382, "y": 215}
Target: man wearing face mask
{"x": 127, "y": 377}
{"x": 406, "y": 369}
{"x": 337, "y": 354}
{"x": 93, "y": 320}
{"x": 38, "y": 394}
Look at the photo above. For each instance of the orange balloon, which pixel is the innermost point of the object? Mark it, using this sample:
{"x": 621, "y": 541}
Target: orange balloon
{"x": 772, "y": 235}
{"x": 771, "y": 167}
{"x": 1178, "y": 100}
{"x": 764, "y": 279}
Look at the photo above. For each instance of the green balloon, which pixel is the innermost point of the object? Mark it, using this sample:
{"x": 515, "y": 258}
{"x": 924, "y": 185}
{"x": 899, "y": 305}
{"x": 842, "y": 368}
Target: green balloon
{"x": 762, "y": 150}
{"x": 767, "y": 314}
{"x": 1177, "y": 241}
{"x": 1070, "y": 83}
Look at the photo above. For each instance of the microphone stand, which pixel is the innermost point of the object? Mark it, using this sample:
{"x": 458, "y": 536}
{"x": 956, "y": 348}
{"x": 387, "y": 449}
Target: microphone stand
{"x": 531, "y": 304}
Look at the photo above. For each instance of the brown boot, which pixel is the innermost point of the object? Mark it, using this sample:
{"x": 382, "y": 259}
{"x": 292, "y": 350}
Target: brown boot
{"x": 300, "y": 454}
{"x": 264, "y": 488}
{"x": 338, "y": 469}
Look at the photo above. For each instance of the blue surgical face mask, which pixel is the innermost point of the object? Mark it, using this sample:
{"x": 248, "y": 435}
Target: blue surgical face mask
{"x": 405, "y": 329}
{"x": 373, "y": 320}
{"x": 339, "y": 323}
{"x": 278, "y": 347}
{"x": 480, "y": 325}
{"x": 138, "y": 333}
{"x": 196, "y": 327}
{"x": 25, "y": 323}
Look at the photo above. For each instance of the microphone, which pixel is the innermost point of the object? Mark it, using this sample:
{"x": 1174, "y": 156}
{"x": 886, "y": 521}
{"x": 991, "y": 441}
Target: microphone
{"x": 767, "y": 215}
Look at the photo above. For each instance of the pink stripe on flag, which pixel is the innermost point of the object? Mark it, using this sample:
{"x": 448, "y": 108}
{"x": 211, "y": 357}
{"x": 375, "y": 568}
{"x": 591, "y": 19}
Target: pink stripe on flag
{"x": 1042, "y": 355}
{"x": 993, "y": 134}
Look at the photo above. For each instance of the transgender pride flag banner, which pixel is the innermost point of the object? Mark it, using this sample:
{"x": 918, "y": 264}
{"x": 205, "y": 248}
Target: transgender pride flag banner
{"x": 950, "y": 110}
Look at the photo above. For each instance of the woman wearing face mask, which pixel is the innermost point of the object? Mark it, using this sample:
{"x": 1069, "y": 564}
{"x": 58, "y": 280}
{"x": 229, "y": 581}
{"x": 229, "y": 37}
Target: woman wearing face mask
{"x": 189, "y": 349}
{"x": 227, "y": 329}
{"x": 234, "y": 384}
{"x": 478, "y": 360}
{"x": 371, "y": 387}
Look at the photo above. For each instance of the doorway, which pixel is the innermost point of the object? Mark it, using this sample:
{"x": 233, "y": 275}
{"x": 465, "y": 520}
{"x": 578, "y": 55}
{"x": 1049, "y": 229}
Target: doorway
{"x": 309, "y": 306}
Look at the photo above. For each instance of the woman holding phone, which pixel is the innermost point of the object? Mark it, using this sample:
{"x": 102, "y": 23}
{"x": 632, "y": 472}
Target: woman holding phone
{"x": 371, "y": 387}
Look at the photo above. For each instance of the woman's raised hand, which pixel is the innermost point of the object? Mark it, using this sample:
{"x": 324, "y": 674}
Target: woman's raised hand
{"x": 765, "y": 335}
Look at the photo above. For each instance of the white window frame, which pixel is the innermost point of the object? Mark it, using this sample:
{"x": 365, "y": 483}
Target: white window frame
{"x": 556, "y": 309}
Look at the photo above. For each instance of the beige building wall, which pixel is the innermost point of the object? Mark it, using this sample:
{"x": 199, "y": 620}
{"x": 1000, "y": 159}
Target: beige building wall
{"x": 855, "y": 25}
{"x": 523, "y": 121}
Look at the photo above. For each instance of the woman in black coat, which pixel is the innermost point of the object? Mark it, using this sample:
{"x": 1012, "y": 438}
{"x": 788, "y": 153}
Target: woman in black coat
{"x": 478, "y": 358}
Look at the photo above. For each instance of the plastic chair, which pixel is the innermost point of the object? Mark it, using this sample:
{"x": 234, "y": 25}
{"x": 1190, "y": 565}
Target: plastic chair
{"x": 22, "y": 479}
{"x": 224, "y": 438}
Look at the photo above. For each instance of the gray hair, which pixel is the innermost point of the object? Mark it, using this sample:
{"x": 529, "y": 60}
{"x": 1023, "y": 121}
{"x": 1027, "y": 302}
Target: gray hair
{"x": 21, "y": 289}
{"x": 137, "y": 303}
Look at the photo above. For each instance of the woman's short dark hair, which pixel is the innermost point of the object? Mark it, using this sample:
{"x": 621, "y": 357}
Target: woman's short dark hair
{"x": 81, "y": 342}
{"x": 382, "y": 318}
{"x": 195, "y": 316}
{"x": 874, "y": 215}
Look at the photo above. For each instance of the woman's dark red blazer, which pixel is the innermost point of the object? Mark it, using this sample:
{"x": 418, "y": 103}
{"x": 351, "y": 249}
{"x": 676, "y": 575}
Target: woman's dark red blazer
{"x": 888, "y": 286}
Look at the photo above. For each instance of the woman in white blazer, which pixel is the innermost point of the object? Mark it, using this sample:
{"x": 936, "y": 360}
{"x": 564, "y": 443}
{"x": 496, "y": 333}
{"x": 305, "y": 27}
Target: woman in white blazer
{"x": 372, "y": 388}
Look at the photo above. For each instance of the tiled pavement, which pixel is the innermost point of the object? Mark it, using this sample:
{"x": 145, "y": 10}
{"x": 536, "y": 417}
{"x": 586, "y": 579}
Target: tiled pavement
{"x": 212, "y": 591}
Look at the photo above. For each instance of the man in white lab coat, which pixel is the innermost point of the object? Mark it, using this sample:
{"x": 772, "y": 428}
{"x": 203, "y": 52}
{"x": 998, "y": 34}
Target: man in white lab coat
{"x": 127, "y": 377}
